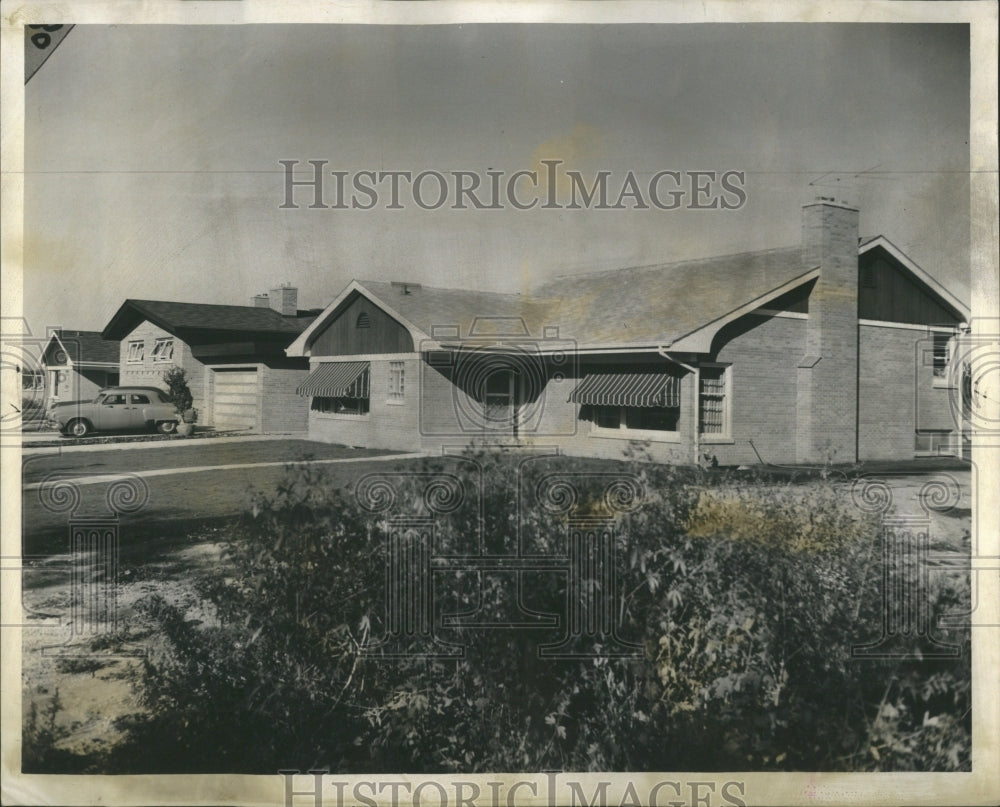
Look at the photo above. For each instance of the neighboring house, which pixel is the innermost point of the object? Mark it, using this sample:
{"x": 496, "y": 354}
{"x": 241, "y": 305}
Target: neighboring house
{"x": 77, "y": 364}
{"x": 234, "y": 356}
{"x": 834, "y": 350}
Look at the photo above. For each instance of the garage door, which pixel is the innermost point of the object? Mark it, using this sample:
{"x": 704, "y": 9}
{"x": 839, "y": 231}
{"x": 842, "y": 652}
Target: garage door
{"x": 235, "y": 400}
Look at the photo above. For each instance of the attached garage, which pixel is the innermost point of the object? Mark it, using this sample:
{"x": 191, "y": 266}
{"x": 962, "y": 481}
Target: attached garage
{"x": 235, "y": 398}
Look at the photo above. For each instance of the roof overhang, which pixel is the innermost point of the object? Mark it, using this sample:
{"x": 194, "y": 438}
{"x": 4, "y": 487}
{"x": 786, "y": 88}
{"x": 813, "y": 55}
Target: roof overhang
{"x": 700, "y": 340}
{"x": 302, "y": 346}
{"x": 884, "y": 243}
{"x": 126, "y": 318}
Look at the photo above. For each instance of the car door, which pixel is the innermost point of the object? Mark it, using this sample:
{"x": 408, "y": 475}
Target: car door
{"x": 113, "y": 412}
{"x": 137, "y": 401}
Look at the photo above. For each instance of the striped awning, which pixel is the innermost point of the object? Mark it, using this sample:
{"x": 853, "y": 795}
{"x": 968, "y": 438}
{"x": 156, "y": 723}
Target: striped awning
{"x": 341, "y": 379}
{"x": 628, "y": 389}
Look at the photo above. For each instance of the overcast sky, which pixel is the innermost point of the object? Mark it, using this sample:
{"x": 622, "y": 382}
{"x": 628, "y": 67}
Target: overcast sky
{"x": 152, "y": 151}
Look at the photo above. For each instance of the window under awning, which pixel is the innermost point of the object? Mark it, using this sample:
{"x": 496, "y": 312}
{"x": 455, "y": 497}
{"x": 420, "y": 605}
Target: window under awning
{"x": 628, "y": 389}
{"x": 342, "y": 379}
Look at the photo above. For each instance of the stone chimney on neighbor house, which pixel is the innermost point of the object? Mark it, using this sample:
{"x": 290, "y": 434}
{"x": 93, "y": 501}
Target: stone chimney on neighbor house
{"x": 827, "y": 421}
{"x": 284, "y": 299}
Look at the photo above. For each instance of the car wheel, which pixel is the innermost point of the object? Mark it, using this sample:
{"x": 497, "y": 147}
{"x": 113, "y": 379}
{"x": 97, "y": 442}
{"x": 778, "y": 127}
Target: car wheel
{"x": 79, "y": 428}
{"x": 166, "y": 426}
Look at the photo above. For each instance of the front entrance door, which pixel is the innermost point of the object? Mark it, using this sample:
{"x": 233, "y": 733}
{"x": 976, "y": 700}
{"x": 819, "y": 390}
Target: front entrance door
{"x": 499, "y": 402}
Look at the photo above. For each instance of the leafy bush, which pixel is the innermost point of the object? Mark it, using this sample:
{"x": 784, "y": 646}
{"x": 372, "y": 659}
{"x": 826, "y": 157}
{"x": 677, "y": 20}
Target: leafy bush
{"x": 178, "y": 391}
{"x": 746, "y": 597}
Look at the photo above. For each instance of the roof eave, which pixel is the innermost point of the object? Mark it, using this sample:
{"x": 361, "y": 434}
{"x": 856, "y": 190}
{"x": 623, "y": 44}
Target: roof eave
{"x": 131, "y": 308}
{"x": 700, "y": 339}
{"x": 302, "y": 346}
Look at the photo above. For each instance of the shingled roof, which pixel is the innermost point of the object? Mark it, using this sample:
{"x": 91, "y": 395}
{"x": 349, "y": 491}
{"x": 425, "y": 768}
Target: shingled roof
{"x": 178, "y": 318}
{"x": 645, "y": 306}
{"x": 477, "y": 313}
{"x": 82, "y": 347}
{"x": 659, "y": 304}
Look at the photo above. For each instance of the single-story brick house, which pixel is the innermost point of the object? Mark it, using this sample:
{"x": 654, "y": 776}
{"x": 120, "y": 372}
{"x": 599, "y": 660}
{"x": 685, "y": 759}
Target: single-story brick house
{"x": 833, "y": 350}
{"x": 234, "y": 356}
{"x": 77, "y": 364}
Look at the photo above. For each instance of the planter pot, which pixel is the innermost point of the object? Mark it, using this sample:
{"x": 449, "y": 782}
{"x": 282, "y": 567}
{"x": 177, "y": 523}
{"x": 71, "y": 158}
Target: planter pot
{"x": 185, "y": 429}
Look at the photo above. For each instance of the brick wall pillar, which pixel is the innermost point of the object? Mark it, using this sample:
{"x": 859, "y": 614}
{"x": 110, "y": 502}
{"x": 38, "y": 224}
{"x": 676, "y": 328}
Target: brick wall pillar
{"x": 827, "y": 421}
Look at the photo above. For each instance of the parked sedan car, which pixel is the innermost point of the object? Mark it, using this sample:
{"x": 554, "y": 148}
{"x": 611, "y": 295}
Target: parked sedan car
{"x": 116, "y": 409}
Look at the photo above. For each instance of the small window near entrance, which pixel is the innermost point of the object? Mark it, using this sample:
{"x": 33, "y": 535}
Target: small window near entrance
{"x": 363, "y": 321}
{"x": 396, "y": 381}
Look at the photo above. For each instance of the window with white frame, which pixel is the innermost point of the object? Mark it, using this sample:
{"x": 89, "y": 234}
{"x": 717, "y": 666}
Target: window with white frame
{"x": 396, "y": 381}
{"x": 941, "y": 356}
{"x": 163, "y": 350}
{"x": 714, "y": 396}
{"x": 136, "y": 352}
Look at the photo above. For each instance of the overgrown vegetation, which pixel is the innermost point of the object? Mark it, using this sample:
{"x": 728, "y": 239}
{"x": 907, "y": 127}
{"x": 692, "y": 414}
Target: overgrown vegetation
{"x": 746, "y": 597}
{"x": 40, "y": 738}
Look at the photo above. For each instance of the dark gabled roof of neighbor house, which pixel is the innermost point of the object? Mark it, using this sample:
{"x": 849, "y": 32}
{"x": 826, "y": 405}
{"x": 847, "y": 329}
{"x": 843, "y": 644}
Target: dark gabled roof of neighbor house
{"x": 191, "y": 318}
{"x": 82, "y": 347}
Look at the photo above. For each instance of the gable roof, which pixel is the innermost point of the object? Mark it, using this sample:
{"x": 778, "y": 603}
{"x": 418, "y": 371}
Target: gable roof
{"x": 881, "y": 242}
{"x": 181, "y": 318}
{"x": 83, "y": 348}
{"x": 642, "y": 307}
{"x": 679, "y": 305}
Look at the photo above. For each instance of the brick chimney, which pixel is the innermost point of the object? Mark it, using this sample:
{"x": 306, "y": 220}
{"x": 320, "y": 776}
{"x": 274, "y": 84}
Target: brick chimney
{"x": 827, "y": 422}
{"x": 285, "y": 299}
{"x": 260, "y": 301}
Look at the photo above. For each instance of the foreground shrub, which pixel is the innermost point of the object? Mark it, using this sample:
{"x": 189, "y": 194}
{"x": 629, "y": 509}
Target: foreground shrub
{"x": 745, "y": 597}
